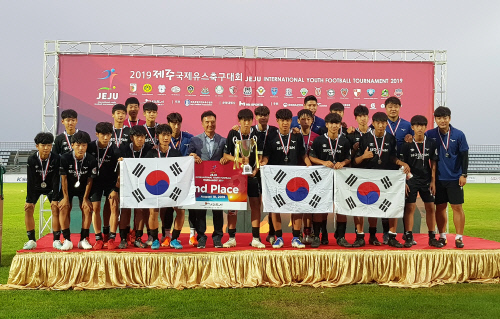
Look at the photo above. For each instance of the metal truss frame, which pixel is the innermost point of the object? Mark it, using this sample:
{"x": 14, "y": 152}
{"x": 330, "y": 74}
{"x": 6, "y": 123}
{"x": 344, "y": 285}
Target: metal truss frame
{"x": 54, "y": 48}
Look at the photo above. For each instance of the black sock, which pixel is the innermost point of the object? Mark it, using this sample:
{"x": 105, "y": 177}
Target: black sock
{"x": 432, "y": 234}
{"x": 372, "y": 231}
{"x": 256, "y": 232}
{"x": 175, "y": 234}
{"x": 82, "y": 234}
{"x": 272, "y": 232}
{"x": 296, "y": 233}
{"x": 123, "y": 233}
{"x": 149, "y": 232}
{"x": 56, "y": 234}
{"x": 279, "y": 233}
{"x": 231, "y": 232}
{"x": 323, "y": 228}
{"x": 385, "y": 225}
{"x": 138, "y": 234}
{"x": 98, "y": 236}
{"x": 154, "y": 234}
{"x": 66, "y": 234}
{"x": 360, "y": 236}
{"x": 409, "y": 235}
{"x": 105, "y": 230}
{"x": 31, "y": 234}
{"x": 163, "y": 231}
{"x": 112, "y": 235}
{"x": 392, "y": 235}
{"x": 341, "y": 227}
{"x": 316, "y": 228}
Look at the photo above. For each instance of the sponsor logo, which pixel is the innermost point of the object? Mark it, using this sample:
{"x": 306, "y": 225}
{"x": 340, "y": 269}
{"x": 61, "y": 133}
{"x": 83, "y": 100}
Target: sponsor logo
{"x": 357, "y": 92}
{"x": 317, "y": 91}
{"x": 291, "y": 104}
{"x": 261, "y": 90}
{"x": 303, "y": 91}
{"x": 219, "y": 89}
{"x": 233, "y": 89}
{"x": 205, "y": 90}
{"x": 398, "y": 92}
{"x": 288, "y": 92}
{"x": 133, "y": 87}
{"x": 109, "y": 75}
{"x": 247, "y": 90}
{"x": 274, "y": 91}
{"x": 330, "y": 92}
{"x": 147, "y": 87}
{"x": 372, "y": 106}
{"x": 385, "y": 93}
{"x": 187, "y": 102}
{"x": 175, "y": 89}
{"x": 190, "y": 89}
{"x": 370, "y": 92}
{"x": 382, "y": 106}
{"x": 161, "y": 88}
{"x": 344, "y": 92}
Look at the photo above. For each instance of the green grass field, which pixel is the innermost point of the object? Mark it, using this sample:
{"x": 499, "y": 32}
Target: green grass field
{"x": 357, "y": 301}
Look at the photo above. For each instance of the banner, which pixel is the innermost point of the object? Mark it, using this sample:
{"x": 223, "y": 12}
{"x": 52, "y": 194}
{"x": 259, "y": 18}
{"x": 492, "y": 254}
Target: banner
{"x": 219, "y": 187}
{"x": 297, "y": 189}
{"x": 157, "y": 182}
{"x": 370, "y": 192}
{"x": 92, "y": 84}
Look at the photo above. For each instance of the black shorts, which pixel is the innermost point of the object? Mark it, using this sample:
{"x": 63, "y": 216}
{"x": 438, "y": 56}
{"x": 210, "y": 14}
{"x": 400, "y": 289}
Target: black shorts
{"x": 449, "y": 192}
{"x": 33, "y": 197}
{"x": 96, "y": 193}
{"x": 254, "y": 187}
{"x": 419, "y": 187}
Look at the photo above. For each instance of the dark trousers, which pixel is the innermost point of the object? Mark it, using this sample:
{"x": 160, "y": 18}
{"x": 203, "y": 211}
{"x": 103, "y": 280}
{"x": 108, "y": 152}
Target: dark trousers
{"x": 169, "y": 218}
{"x": 199, "y": 219}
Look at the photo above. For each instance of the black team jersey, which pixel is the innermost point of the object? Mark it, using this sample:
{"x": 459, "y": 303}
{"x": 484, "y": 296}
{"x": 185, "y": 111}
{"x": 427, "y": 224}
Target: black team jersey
{"x": 126, "y": 151}
{"x": 323, "y": 148}
{"x": 86, "y": 168}
{"x": 356, "y": 136}
{"x": 262, "y": 136}
{"x": 276, "y": 154}
{"x": 388, "y": 151}
{"x": 62, "y": 143}
{"x": 106, "y": 164}
{"x": 36, "y": 169}
{"x": 343, "y": 129}
{"x": 151, "y": 137}
{"x": 235, "y": 136}
{"x": 120, "y": 136}
{"x": 171, "y": 152}
{"x": 419, "y": 161}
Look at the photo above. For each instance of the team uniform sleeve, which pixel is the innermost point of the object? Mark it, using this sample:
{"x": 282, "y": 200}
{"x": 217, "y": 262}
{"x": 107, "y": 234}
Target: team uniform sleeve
{"x": 267, "y": 148}
{"x": 315, "y": 148}
{"x": 347, "y": 150}
{"x": 462, "y": 143}
{"x": 55, "y": 176}
{"x": 151, "y": 154}
{"x": 63, "y": 166}
{"x": 361, "y": 148}
{"x": 393, "y": 145}
{"x": 301, "y": 150}
{"x": 229, "y": 146}
{"x": 433, "y": 151}
{"x": 56, "y": 149}
{"x": 30, "y": 177}
{"x": 93, "y": 169}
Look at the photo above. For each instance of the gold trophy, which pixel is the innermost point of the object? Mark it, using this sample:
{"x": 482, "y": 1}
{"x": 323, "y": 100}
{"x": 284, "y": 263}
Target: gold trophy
{"x": 245, "y": 147}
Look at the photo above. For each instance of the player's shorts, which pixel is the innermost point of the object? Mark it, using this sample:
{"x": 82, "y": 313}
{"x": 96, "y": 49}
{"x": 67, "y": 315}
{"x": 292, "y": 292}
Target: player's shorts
{"x": 421, "y": 188}
{"x": 254, "y": 187}
{"x": 33, "y": 198}
{"x": 96, "y": 193}
{"x": 449, "y": 192}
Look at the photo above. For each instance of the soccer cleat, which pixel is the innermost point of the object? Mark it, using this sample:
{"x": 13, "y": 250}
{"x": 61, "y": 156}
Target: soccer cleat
{"x": 139, "y": 244}
{"x": 443, "y": 241}
{"x": 111, "y": 244}
{"x": 278, "y": 243}
{"x": 217, "y": 242}
{"x": 123, "y": 244}
{"x": 202, "y": 243}
{"x": 67, "y": 245}
{"x": 130, "y": 237}
{"x": 315, "y": 242}
{"x": 374, "y": 241}
{"x": 408, "y": 242}
{"x": 155, "y": 245}
{"x": 193, "y": 241}
{"x": 296, "y": 243}
{"x": 105, "y": 238}
{"x": 175, "y": 244}
{"x": 393, "y": 242}
{"x": 324, "y": 239}
{"x": 342, "y": 242}
{"x": 459, "y": 243}
{"x": 435, "y": 243}
{"x": 270, "y": 239}
{"x": 385, "y": 239}
{"x": 165, "y": 242}
{"x": 29, "y": 245}
{"x": 359, "y": 242}
{"x": 57, "y": 244}
{"x": 84, "y": 244}
{"x": 230, "y": 243}
{"x": 301, "y": 237}
{"x": 98, "y": 245}
{"x": 256, "y": 243}
{"x": 149, "y": 242}
{"x": 307, "y": 239}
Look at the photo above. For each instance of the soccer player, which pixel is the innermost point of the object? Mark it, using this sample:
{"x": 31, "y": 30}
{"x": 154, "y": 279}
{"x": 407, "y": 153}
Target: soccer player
{"x": 42, "y": 179}
{"x": 246, "y": 132}
{"x": 151, "y": 112}
{"x": 338, "y": 108}
{"x": 105, "y": 184}
{"x": 334, "y": 151}
{"x": 164, "y": 133}
{"x": 286, "y": 149}
{"x": 452, "y": 168}
{"x": 378, "y": 151}
{"x": 133, "y": 107}
{"x": 311, "y": 104}
{"x": 77, "y": 170}
{"x": 397, "y": 126}
{"x": 136, "y": 149}
{"x": 120, "y": 131}
{"x": 180, "y": 141}
{"x": 418, "y": 154}
{"x": 305, "y": 119}
{"x": 62, "y": 142}
{"x": 208, "y": 146}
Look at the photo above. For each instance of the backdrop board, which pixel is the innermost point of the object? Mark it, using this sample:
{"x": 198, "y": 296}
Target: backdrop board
{"x": 92, "y": 84}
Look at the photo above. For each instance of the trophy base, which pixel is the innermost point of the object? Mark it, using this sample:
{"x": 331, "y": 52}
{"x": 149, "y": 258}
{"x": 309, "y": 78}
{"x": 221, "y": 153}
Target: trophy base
{"x": 247, "y": 170}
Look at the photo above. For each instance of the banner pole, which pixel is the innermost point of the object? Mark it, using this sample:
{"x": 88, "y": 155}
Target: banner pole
{"x": 2, "y": 171}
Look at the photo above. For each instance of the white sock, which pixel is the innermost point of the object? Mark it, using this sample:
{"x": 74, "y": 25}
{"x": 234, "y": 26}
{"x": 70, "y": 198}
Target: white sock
{"x": 192, "y": 232}
{"x": 442, "y": 235}
{"x": 457, "y": 237}
{"x": 390, "y": 232}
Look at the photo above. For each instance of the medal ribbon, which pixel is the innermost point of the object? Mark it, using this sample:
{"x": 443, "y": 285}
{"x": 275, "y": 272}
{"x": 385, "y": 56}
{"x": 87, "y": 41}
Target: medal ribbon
{"x": 117, "y": 141}
{"x": 447, "y": 140}
{"x": 397, "y": 125}
{"x": 331, "y": 148}
{"x": 283, "y": 144}
{"x": 152, "y": 139}
{"x": 100, "y": 161}
{"x": 265, "y": 137}
{"x": 177, "y": 143}
{"x": 44, "y": 172}
{"x": 308, "y": 138}
{"x": 133, "y": 153}
{"x": 422, "y": 154}
{"x": 379, "y": 152}
{"x": 79, "y": 172}
{"x": 159, "y": 153}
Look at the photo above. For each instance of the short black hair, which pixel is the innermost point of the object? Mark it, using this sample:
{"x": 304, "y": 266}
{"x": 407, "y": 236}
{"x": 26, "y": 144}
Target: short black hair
{"x": 118, "y": 107}
{"x": 419, "y": 120}
{"x": 284, "y": 114}
{"x": 104, "y": 128}
{"x": 304, "y": 112}
{"x": 150, "y": 106}
{"x": 392, "y": 100}
{"x": 174, "y": 118}
{"x": 379, "y": 117}
{"x": 138, "y": 130}
{"x": 245, "y": 114}
{"x": 360, "y": 110}
{"x": 69, "y": 114}
{"x": 80, "y": 137}
{"x": 44, "y": 138}
{"x": 163, "y": 129}
{"x": 132, "y": 100}
{"x": 310, "y": 98}
{"x": 337, "y": 106}
{"x": 442, "y": 111}
{"x": 262, "y": 110}
{"x": 333, "y": 118}
{"x": 207, "y": 114}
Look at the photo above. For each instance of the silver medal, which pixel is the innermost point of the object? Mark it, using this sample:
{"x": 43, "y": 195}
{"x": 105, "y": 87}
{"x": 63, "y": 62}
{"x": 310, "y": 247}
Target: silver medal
{"x": 286, "y": 159}
{"x": 447, "y": 155}
{"x": 379, "y": 162}
{"x": 43, "y": 185}
{"x": 77, "y": 184}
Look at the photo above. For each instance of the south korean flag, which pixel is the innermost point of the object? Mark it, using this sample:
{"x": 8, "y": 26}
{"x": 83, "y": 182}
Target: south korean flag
{"x": 157, "y": 182}
{"x": 297, "y": 189}
{"x": 370, "y": 192}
